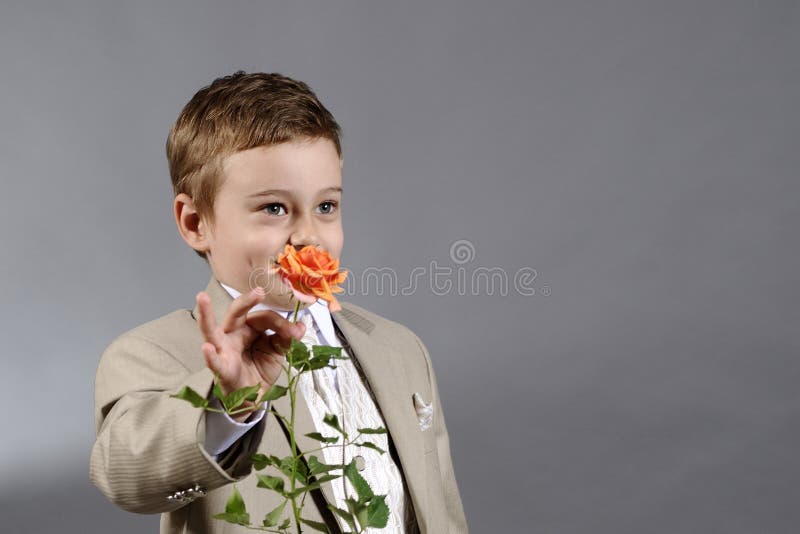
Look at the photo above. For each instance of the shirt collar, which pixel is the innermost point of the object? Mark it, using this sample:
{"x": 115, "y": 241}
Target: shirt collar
{"x": 319, "y": 311}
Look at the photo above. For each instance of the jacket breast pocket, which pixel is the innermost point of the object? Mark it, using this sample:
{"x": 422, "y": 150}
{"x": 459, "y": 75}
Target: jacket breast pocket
{"x": 424, "y": 412}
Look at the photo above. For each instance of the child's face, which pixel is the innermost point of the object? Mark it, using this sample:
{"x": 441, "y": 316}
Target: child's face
{"x": 271, "y": 196}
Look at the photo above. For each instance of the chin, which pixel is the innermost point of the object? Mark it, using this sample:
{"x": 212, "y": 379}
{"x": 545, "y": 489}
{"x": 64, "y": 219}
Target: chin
{"x": 283, "y": 302}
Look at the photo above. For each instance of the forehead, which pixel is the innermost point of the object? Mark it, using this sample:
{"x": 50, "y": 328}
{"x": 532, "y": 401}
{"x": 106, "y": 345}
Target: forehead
{"x": 307, "y": 165}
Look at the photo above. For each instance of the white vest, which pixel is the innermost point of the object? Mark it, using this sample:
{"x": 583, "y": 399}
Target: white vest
{"x": 342, "y": 391}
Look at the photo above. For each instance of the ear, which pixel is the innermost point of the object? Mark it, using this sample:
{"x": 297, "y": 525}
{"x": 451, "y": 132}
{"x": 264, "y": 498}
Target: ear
{"x": 192, "y": 228}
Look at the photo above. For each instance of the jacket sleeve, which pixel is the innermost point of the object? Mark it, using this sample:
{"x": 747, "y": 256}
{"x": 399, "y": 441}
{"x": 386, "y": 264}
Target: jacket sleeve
{"x": 150, "y": 445}
{"x": 456, "y": 520}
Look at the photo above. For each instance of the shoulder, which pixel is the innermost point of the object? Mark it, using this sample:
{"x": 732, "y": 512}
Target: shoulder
{"x": 376, "y": 325}
{"x": 173, "y": 337}
{"x": 385, "y": 330}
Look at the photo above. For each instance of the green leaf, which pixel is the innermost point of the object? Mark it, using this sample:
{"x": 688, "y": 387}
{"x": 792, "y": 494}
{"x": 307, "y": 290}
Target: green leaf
{"x": 285, "y": 467}
{"x": 318, "y": 363}
{"x": 377, "y": 512}
{"x": 353, "y": 505}
{"x": 380, "y": 430}
{"x": 302, "y": 471}
{"x": 270, "y": 482}
{"x": 332, "y": 421}
{"x": 314, "y": 485}
{"x": 275, "y": 392}
{"x": 271, "y": 519}
{"x": 236, "y": 398}
{"x": 188, "y": 394}
{"x": 237, "y": 519}
{"x": 362, "y": 517}
{"x": 359, "y": 510}
{"x": 285, "y": 524}
{"x": 235, "y": 504}
{"x": 217, "y": 390}
{"x": 295, "y": 493}
{"x": 370, "y": 445}
{"x": 235, "y": 511}
{"x": 298, "y": 353}
{"x": 325, "y": 350}
{"x": 316, "y": 525}
{"x": 347, "y": 516}
{"x": 358, "y": 482}
{"x": 324, "y": 439}
{"x": 322, "y": 356}
{"x": 260, "y": 461}
{"x": 316, "y": 467}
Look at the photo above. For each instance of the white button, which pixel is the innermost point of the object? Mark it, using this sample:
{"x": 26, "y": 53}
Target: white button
{"x": 360, "y": 462}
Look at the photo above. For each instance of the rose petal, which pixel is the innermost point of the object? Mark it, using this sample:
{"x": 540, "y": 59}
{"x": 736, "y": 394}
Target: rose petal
{"x": 334, "y": 306}
{"x": 311, "y": 273}
{"x": 299, "y": 295}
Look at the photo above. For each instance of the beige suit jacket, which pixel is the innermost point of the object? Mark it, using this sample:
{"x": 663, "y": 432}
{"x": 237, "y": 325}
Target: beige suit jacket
{"x": 149, "y": 445}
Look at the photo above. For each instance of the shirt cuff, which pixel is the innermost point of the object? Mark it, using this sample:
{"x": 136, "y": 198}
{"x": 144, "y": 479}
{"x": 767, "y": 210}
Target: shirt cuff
{"x": 222, "y": 430}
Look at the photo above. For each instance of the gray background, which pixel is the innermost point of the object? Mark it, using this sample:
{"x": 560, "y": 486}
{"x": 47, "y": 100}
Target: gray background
{"x": 641, "y": 156}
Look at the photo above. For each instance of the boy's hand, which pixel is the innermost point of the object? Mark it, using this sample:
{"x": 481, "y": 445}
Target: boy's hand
{"x": 238, "y": 350}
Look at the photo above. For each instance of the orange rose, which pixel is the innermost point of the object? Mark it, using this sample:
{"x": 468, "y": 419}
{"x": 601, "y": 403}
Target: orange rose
{"x": 311, "y": 273}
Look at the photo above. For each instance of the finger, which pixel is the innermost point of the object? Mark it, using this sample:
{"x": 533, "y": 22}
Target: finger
{"x": 273, "y": 344}
{"x": 214, "y": 361}
{"x": 280, "y": 344}
{"x": 282, "y": 341}
{"x": 270, "y": 320}
{"x": 237, "y": 311}
{"x": 207, "y": 321}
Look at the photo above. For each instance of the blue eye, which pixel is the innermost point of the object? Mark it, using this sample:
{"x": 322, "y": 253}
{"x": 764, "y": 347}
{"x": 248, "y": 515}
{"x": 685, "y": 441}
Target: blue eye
{"x": 333, "y": 205}
{"x": 269, "y": 208}
{"x": 274, "y": 208}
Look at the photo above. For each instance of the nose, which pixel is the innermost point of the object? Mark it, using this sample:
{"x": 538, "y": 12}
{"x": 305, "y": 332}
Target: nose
{"x": 304, "y": 234}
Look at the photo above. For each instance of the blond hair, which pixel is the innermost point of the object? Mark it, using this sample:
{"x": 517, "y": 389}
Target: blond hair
{"x": 234, "y": 113}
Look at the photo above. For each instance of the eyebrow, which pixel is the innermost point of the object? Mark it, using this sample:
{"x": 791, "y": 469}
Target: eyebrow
{"x": 268, "y": 192}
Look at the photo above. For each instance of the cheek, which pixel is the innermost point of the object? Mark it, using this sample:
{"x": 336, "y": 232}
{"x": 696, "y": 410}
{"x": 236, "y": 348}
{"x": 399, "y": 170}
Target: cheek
{"x": 255, "y": 252}
{"x": 260, "y": 249}
{"x": 334, "y": 239}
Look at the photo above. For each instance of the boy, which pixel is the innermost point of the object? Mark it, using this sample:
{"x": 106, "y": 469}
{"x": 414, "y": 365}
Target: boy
{"x": 256, "y": 164}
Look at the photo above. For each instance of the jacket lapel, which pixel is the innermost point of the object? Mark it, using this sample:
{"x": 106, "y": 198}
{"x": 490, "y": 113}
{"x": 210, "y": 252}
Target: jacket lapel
{"x": 384, "y": 370}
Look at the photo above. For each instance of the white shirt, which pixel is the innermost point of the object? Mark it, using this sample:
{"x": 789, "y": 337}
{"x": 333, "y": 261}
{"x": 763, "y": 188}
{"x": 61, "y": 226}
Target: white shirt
{"x": 222, "y": 430}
